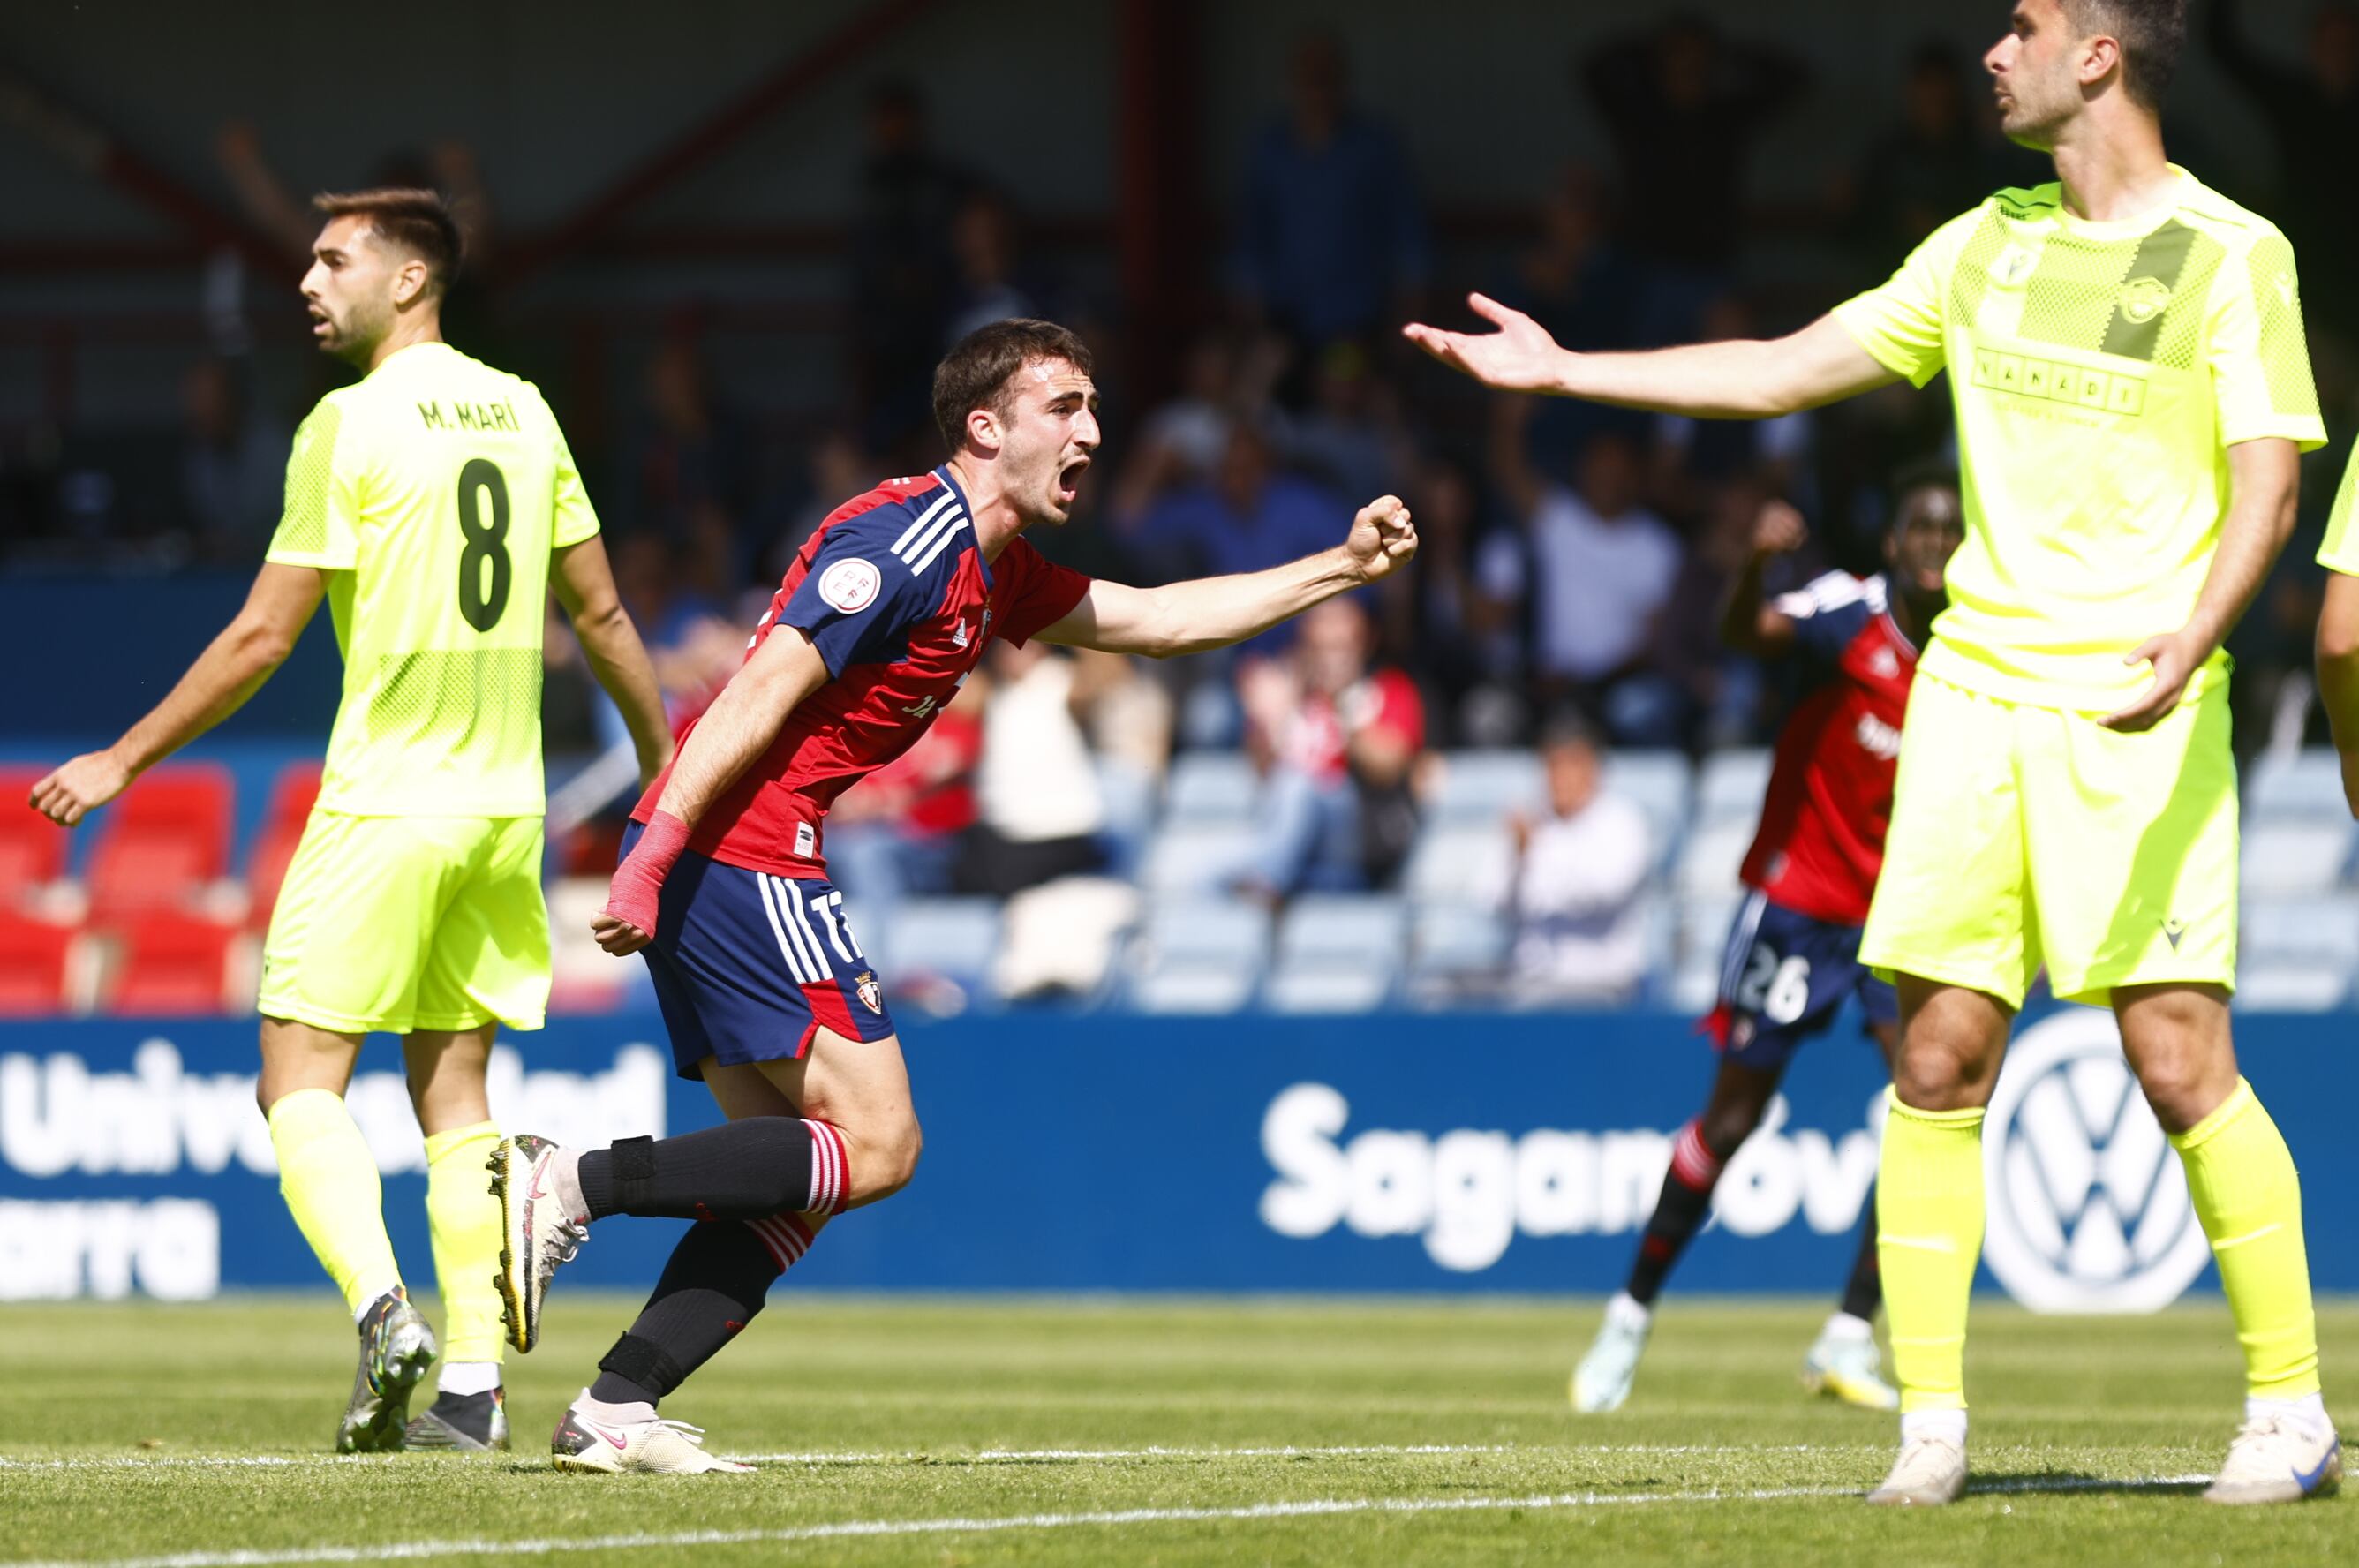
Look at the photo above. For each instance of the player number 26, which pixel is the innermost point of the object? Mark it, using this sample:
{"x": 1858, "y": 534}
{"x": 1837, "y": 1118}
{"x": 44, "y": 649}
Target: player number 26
{"x": 1778, "y": 989}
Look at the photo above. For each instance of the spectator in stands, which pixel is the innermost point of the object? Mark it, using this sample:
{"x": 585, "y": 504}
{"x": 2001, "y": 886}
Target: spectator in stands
{"x": 993, "y": 283}
{"x": 1331, "y": 242}
{"x": 1575, "y": 280}
{"x": 1935, "y": 163}
{"x": 1685, "y": 108}
{"x": 1337, "y": 742}
{"x": 903, "y": 271}
{"x": 233, "y": 462}
{"x": 1438, "y": 620}
{"x": 1039, "y": 808}
{"x": 1576, "y": 890}
{"x": 690, "y": 474}
{"x": 836, "y": 466}
{"x": 1695, "y": 460}
{"x": 1250, "y": 515}
{"x": 1593, "y": 569}
{"x": 2312, "y": 112}
{"x": 1350, "y": 438}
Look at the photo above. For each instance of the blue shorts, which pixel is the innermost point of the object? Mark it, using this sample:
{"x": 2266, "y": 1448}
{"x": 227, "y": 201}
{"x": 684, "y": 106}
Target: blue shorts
{"x": 1785, "y": 977}
{"x": 748, "y": 966}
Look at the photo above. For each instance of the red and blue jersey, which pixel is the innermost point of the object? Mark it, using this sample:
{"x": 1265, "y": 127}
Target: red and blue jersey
{"x": 1820, "y": 842}
{"x": 894, "y": 593}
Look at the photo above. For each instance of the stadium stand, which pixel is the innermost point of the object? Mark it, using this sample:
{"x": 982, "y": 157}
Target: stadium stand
{"x": 36, "y": 981}
{"x": 170, "y": 963}
{"x": 291, "y": 795}
{"x": 32, "y": 852}
{"x": 163, "y": 846}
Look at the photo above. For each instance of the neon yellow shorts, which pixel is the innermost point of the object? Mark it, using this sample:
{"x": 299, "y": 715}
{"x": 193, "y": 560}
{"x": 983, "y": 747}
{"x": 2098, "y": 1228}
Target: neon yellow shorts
{"x": 401, "y": 923}
{"x": 2024, "y": 836}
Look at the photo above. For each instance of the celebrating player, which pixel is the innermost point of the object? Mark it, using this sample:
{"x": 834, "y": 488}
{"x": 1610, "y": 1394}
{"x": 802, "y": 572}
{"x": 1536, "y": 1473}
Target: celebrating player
{"x": 1793, "y": 955}
{"x": 2125, "y": 352}
{"x": 764, "y": 987}
{"x": 434, "y": 503}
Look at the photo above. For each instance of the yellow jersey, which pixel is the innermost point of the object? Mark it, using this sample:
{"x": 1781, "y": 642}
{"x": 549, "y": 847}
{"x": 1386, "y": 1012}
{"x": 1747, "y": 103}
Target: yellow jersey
{"x": 2099, "y": 372}
{"x": 433, "y": 491}
{"x": 2340, "y": 551}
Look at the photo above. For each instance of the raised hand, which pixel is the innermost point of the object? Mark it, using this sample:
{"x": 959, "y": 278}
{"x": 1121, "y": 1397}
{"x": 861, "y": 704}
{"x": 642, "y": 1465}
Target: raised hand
{"x": 1519, "y": 357}
{"x": 1778, "y": 529}
{"x": 1383, "y": 536}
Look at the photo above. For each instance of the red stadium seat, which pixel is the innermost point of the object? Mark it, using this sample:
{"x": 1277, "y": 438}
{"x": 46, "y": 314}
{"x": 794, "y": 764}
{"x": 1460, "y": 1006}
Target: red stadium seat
{"x": 32, "y": 848}
{"x": 161, "y": 842}
{"x": 34, "y": 970}
{"x": 291, "y": 798}
{"x": 171, "y": 964}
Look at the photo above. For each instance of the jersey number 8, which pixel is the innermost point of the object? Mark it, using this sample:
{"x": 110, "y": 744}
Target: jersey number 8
{"x": 480, "y": 601}
{"x": 1777, "y": 991}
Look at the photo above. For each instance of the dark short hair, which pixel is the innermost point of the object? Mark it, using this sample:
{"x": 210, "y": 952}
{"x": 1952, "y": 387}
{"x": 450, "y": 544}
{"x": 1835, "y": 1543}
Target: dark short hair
{"x": 419, "y": 221}
{"x": 1925, "y": 473}
{"x": 2151, "y": 33}
{"x": 976, "y": 373}
{"x": 1571, "y": 727}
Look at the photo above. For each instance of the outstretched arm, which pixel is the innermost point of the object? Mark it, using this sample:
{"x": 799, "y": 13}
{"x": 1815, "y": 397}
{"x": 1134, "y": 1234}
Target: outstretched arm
{"x": 739, "y": 726}
{"x": 232, "y": 669}
{"x": 1213, "y": 612}
{"x": 2264, "y": 485}
{"x": 585, "y": 584}
{"x": 1744, "y": 380}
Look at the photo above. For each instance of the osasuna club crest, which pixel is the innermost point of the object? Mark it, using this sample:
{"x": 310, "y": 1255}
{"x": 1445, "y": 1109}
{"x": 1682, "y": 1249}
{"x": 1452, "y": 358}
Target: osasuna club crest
{"x": 871, "y": 994}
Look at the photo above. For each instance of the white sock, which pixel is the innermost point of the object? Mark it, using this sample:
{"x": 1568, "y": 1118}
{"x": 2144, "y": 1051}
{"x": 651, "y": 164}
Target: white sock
{"x": 565, "y": 1173}
{"x": 2310, "y": 1410}
{"x": 1624, "y": 1310}
{"x": 372, "y": 1293}
{"x": 615, "y": 1415}
{"x": 1849, "y": 1329}
{"x": 468, "y": 1377}
{"x": 1949, "y": 1425}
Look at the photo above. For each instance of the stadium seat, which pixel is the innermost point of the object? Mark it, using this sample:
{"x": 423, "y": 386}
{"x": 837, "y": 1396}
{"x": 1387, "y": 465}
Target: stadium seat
{"x": 2295, "y": 856}
{"x": 1129, "y": 793}
{"x": 1694, "y": 988}
{"x": 1708, "y": 865}
{"x": 2302, "y": 784}
{"x": 36, "y": 981}
{"x": 32, "y": 848}
{"x": 1484, "y": 786}
{"x": 1192, "y": 988}
{"x": 1199, "y": 955}
{"x": 1461, "y": 863}
{"x": 291, "y": 798}
{"x": 1704, "y": 922}
{"x": 2291, "y": 988}
{"x": 1731, "y": 787}
{"x": 1338, "y": 952}
{"x": 162, "y": 844}
{"x": 1659, "y": 783}
{"x": 1327, "y": 990}
{"x": 953, "y": 939}
{"x": 2322, "y": 932}
{"x": 1211, "y": 787}
{"x": 1195, "y": 857}
{"x": 1456, "y": 942}
{"x": 171, "y": 965}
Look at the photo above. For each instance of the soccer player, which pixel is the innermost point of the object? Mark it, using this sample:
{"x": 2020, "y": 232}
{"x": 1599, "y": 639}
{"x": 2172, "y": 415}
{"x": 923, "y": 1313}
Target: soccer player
{"x": 1793, "y": 953}
{"x": 764, "y": 987}
{"x": 434, "y": 505}
{"x": 2125, "y": 353}
{"x": 2338, "y": 628}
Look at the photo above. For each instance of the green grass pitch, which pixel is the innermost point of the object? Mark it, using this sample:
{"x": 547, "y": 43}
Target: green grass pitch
{"x": 953, "y": 1432}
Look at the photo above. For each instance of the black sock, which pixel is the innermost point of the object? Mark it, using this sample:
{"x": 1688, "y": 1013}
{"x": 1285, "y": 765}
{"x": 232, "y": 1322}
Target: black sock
{"x": 1865, "y": 1290}
{"x": 739, "y": 1170}
{"x": 1679, "y": 1213}
{"x": 718, "y": 1278}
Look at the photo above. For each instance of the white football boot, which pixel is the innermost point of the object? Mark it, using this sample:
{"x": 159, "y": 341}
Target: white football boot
{"x": 2278, "y": 1458}
{"x": 1845, "y": 1365}
{"x": 536, "y": 1232}
{"x": 1603, "y": 1379}
{"x": 1929, "y": 1473}
{"x": 656, "y": 1447}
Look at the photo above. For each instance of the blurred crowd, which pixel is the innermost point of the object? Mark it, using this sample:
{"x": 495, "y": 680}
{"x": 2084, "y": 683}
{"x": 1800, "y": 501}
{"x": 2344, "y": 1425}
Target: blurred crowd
{"x": 1574, "y": 558}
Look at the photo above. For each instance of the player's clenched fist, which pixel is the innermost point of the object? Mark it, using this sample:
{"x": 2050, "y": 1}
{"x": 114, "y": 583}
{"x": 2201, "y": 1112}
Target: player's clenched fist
{"x": 1778, "y": 529}
{"x": 79, "y": 787}
{"x": 627, "y": 924}
{"x": 1383, "y": 536}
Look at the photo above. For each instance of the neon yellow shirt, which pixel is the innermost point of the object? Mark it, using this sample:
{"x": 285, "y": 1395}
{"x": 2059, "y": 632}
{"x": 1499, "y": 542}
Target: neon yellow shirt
{"x": 434, "y": 491}
{"x": 2341, "y": 550}
{"x": 2100, "y": 372}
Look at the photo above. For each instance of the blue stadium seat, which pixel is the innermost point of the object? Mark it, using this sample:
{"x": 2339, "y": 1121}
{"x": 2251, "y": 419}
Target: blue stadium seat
{"x": 1484, "y": 786}
{"x": 1199, "y": 955}
{"x": 1208, "y": 786}
{"x": 1188, "y": 988}
{"x": 1338, "y": 952}
{"x": 1186, "y": 857}
{"x": 1457, "y": 941}
{"x": 954, "y": 938}
{"x": 2322, "y": 932}
{"x": 1731, "y": 785}
{"x": 1327, "y": 991}
{"x": 2297, "y": 855}
{"x": 2305, "y": 784}
{"x": 1461, "y": 863}
{"x": 1712, "y": 856}
{"x": 1128, "y": 792}
{"x": 2291, "y": 988}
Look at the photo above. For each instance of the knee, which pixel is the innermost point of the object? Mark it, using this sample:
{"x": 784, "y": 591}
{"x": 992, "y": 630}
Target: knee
{"x": 887, "y": 1161}
{"x": 2182, "y": 1090}
{"x": 1935, "y": 1076}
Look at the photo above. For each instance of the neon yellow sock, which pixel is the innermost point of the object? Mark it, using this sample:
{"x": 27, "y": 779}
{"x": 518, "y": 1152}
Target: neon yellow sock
{"x": 1929, "y": 1218}
{"x": 2241, "y": 1175}
{"x": 465, "y": 1219}
{"x": 329, "y": 1179}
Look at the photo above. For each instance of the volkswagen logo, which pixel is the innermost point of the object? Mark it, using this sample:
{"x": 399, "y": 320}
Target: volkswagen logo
{"x": 2088, "y": 1203}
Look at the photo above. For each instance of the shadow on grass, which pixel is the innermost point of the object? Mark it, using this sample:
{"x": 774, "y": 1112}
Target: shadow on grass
{"x": 2018, "y": 1483}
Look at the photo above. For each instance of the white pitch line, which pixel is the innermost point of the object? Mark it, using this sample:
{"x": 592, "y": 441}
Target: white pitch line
{"x": 401, "y": 1551}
